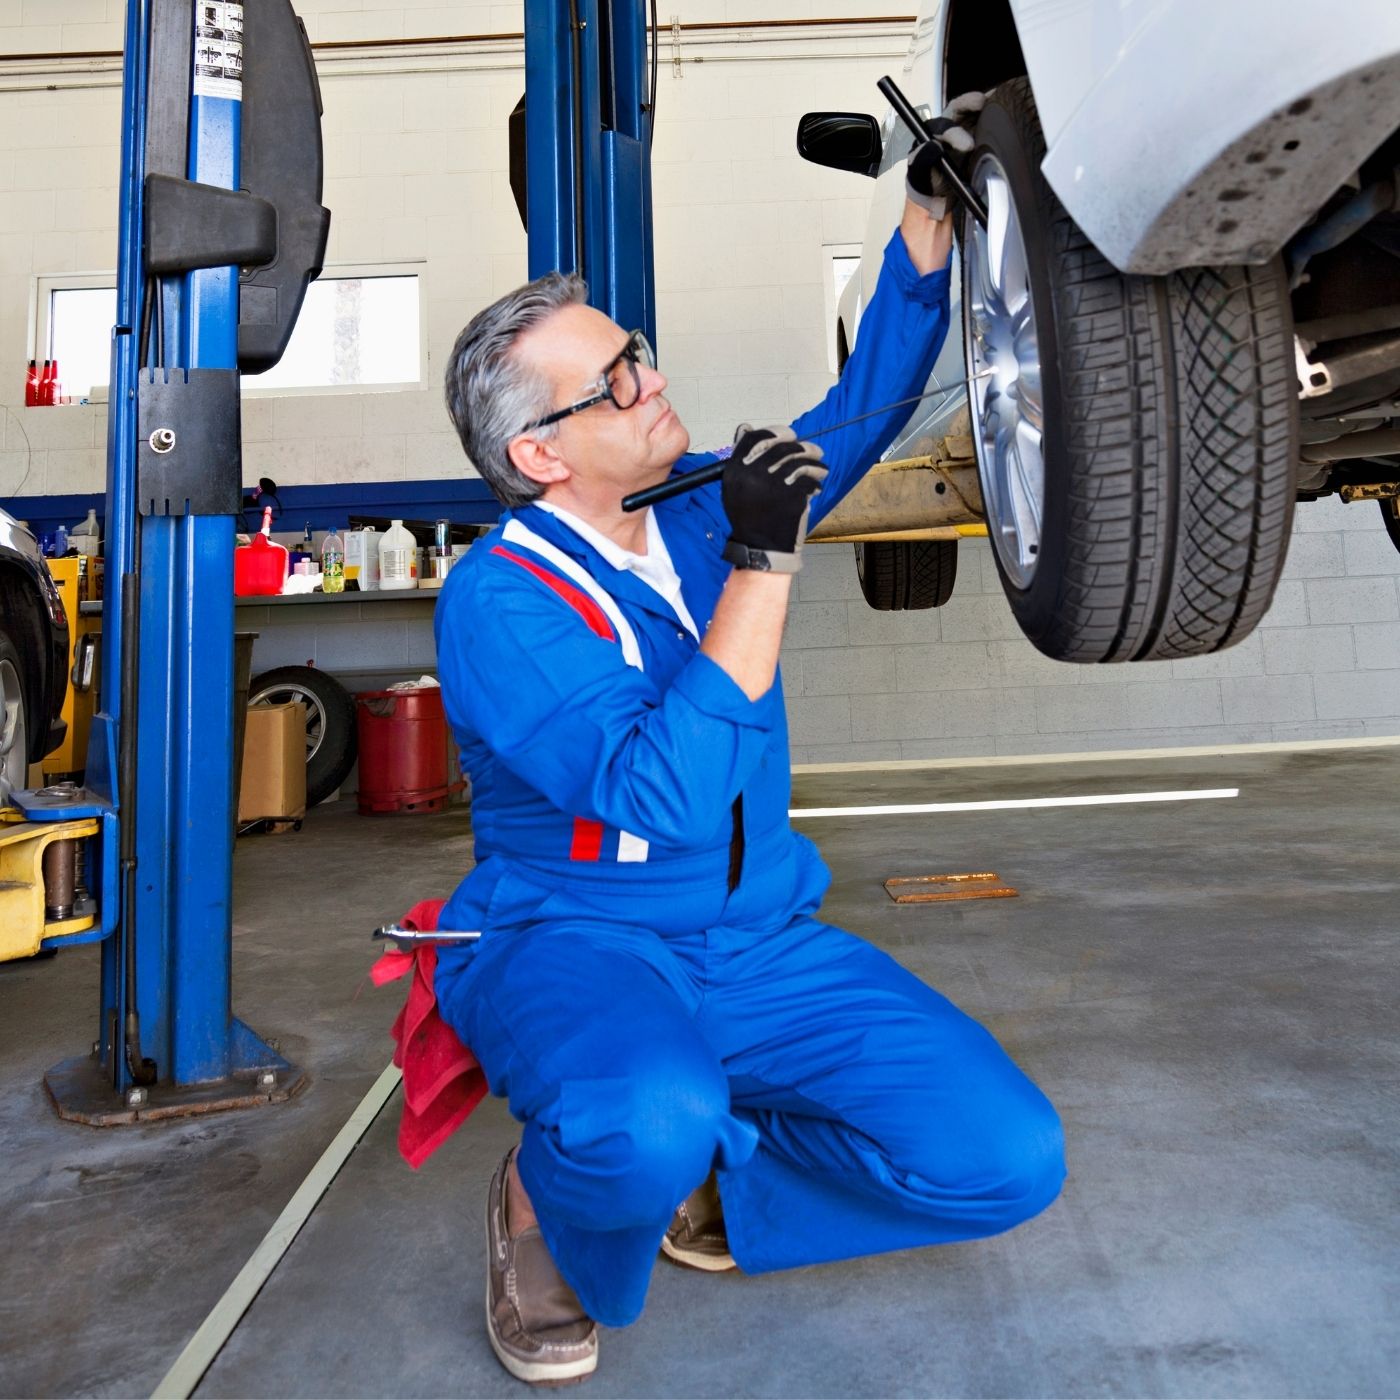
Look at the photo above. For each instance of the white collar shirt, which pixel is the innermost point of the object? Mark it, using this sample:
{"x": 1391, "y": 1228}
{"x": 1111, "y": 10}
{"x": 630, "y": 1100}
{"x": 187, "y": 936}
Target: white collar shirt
{"x": 654, "y": 568}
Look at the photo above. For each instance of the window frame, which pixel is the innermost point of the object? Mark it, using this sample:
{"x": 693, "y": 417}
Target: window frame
{"x": 45, "y": 284}
{"x": 830, "y": 253}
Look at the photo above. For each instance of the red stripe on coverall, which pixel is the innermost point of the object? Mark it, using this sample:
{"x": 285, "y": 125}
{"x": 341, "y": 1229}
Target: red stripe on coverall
{"x": 587, "y": 841}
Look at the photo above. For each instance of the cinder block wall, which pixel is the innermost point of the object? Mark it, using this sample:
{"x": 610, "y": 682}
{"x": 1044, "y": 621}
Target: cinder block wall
{"x": 416, "y": 172}
{"x": 961, "y": 680}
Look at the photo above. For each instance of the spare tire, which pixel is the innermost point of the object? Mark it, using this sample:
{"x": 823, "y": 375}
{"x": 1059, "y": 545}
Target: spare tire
{"x": 331, "y": 744}
{"x": 900, "y": 575}
{"x": 1136, "y": 437}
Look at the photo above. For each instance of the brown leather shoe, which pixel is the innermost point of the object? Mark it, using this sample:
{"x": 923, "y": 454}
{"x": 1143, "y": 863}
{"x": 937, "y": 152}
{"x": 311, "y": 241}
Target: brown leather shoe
{"x": 696, "y": 1237}
{"x": 537, "y": 1326}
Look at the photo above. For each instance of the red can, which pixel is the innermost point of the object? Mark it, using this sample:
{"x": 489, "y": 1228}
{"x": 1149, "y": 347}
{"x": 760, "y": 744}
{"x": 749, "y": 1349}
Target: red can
{"x": 259, "y": 568}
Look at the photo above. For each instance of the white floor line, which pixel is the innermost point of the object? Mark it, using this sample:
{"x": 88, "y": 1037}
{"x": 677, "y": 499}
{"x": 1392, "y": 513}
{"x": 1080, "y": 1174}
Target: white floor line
{"x": 1023, "y": 760}
{"x": 1107, "y": 799}
{"x": 201, "y": 1349}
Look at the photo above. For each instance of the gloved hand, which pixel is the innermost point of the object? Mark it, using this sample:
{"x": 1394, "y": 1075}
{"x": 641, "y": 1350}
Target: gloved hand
{"x": 925, "y": 182}
{"x": 767, "y": 490}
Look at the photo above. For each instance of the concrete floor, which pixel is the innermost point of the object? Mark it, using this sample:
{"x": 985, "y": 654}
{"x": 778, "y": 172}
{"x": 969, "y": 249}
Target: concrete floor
{"x": 1206, "y": 990}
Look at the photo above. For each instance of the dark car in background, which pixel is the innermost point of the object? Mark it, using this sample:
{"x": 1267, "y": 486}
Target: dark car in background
{"x": 33, "y": 657}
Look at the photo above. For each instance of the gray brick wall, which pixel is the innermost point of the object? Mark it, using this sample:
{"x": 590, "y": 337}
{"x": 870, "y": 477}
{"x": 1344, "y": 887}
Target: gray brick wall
{"x": 961, "y": 681}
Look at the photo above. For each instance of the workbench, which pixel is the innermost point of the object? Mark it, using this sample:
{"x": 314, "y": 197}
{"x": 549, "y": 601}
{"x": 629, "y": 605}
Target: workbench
{"x": 365, "y": 640}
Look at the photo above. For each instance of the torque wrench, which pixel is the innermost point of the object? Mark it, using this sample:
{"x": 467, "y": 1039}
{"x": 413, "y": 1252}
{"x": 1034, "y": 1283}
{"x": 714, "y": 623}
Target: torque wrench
{"x": 688, "y": 481}
{"x": 904, "y": 110}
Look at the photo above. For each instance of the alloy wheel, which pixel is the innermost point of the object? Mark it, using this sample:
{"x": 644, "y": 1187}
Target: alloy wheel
{"x": 14, "y": 733}
{"x": 1007, "y": 406}
{"x": 289, "y": 694}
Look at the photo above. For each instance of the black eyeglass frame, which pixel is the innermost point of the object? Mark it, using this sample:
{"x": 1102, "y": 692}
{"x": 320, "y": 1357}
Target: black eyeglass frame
{"x": 638, "y": 347}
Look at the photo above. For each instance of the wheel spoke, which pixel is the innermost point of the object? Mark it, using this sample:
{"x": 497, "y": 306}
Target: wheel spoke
{"x": 1001, "y": 336}
{"x": 1029, "y": 486}
{"x": 998, "y": 217}
{"x": 1011, "y": 276}
{"x": 1028, "y": 398}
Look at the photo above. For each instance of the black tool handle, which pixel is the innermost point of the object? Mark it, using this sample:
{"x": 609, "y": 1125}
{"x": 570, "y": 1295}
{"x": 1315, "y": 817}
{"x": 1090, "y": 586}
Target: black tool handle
{"x": 676, "y": 486}
{"x": 904, "y": 110}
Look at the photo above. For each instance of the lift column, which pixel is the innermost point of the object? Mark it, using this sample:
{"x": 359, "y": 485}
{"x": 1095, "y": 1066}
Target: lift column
{"x": 588, "y": 118}
{"x": 162, "y": 746}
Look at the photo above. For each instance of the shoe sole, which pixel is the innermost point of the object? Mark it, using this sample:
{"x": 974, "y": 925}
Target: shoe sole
{"x": 706, "y": 1263}
{"x": 541, "y": 1373}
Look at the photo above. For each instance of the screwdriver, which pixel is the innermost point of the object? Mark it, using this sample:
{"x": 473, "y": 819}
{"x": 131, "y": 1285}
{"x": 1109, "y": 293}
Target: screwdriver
{"x": 688, "y": 481}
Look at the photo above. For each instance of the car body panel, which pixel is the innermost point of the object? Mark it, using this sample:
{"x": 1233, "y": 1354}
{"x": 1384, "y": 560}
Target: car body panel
{"x": 1164, "y": 158}
{"x": 933, "y": 419}
{"x": 1169, "y": 123}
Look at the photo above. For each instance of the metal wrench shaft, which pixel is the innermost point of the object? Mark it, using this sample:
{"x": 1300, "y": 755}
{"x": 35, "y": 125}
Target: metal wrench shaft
{"x": 905, "y": 111}
{"x": 688, "y": 481}
{"x": 396, "y": 933}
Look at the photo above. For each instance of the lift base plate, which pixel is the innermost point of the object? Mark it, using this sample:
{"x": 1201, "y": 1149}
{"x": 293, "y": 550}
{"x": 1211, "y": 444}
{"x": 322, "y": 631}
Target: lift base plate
{"x": 81, "y": 1089}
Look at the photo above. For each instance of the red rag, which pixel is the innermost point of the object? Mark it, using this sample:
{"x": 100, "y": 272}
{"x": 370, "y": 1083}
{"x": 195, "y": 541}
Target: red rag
{"x": 442, "y": 1081}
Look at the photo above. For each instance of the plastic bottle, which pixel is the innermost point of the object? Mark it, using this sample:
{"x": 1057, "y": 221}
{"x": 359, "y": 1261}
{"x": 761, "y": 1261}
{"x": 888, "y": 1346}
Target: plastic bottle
{"x": 85, "y": 537}
{"x": 333, "y": 563}
{"x": 398, "y": 558}
{"x": 60, "y": 543}
{"x": 305, "y": 550}
{"x": 45, "y": 387}
{"x": 31, "y": 385}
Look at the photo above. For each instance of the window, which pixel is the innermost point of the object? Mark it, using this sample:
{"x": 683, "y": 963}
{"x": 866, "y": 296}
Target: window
{"x": 842, "y": 263}
{"x": 359, "y": 328}
{"x": 76, "y": 316}
{"x": 353, "y": 331}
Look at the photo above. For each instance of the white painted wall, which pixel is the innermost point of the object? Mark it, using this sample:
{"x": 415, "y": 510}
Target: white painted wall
{"x": 416, "y": 170}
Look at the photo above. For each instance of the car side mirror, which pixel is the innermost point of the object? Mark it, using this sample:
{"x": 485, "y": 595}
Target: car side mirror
{"x": 842, "y": 140}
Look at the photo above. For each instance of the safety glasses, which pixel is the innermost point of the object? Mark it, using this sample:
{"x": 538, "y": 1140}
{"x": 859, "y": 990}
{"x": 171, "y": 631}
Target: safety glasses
{"x": 619, "y": 384}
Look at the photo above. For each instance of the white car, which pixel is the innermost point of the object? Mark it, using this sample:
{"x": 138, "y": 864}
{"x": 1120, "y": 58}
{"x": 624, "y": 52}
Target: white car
{"x": 1185, "y": 303}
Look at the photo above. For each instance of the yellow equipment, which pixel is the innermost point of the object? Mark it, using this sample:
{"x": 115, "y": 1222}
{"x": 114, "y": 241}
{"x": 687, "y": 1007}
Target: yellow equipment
{"x": 76, "y": 585}
{"x": 30, "y": 852}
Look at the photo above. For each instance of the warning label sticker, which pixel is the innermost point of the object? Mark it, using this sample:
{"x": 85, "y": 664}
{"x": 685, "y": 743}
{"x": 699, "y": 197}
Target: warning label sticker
{"x": 218, "y": 49}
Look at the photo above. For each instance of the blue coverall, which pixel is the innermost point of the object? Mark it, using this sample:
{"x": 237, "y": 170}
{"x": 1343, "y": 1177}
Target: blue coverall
{"x": 646, "y": 1023}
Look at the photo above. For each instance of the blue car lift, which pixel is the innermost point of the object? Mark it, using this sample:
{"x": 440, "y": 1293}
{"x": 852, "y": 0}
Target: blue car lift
{"x": 588, "y": 124}
{"x": 221, "y": 230}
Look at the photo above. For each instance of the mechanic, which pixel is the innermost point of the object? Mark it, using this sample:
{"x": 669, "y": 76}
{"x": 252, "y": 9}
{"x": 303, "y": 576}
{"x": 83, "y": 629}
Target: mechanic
{"x": 653, "y": 991}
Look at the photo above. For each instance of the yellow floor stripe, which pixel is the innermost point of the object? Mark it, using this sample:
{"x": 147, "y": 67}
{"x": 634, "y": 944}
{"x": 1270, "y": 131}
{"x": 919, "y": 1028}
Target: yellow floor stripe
{"x": 200, "y": 1351}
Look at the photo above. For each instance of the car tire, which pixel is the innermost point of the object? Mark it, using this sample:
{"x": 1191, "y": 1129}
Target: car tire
{"x": 1167, "y": 423}
{"x": 1390, "y": 514}
{"x": 903, "y": 575}
{"x": 14, "y": 722}
{"x": 331, "y": 743}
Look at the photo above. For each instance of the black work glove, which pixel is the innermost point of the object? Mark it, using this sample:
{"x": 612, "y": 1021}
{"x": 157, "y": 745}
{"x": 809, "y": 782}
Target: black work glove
{"x": 925, "y": 183}
{"x": 767, "y": 490}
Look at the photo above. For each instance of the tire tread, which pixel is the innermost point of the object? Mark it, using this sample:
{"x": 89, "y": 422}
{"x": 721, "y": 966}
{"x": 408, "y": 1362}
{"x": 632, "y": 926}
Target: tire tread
{"x": 1181, "y": 437}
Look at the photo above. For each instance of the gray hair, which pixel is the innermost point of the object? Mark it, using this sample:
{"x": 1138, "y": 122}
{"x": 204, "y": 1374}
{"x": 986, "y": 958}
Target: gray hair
{"x": 491, "y": 395}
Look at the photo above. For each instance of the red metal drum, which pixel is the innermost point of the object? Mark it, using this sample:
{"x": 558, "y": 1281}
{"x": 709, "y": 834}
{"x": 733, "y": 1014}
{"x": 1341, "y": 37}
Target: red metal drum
{"x": 405, "y": 751}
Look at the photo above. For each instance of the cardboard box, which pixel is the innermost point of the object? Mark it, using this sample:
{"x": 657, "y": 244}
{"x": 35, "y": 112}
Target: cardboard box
{"x": 362, "y": 559}
{"x": 273, "y": 784}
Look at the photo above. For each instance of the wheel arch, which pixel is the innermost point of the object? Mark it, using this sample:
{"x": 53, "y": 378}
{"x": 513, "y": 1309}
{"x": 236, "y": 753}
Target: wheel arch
{"x": 980, "y": 46}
